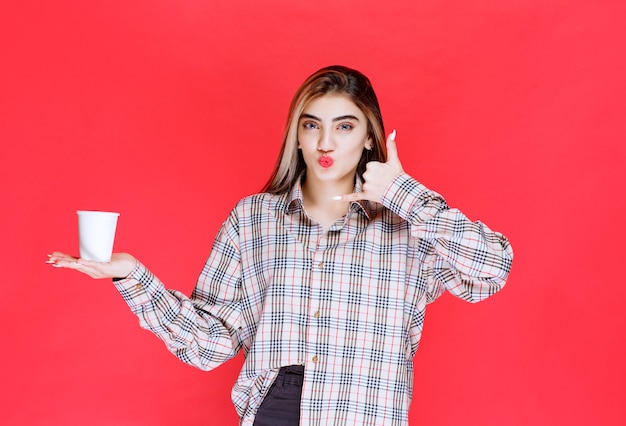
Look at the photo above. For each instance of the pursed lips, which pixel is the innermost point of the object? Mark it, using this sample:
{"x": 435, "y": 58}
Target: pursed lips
{"x": 325, "y": 161}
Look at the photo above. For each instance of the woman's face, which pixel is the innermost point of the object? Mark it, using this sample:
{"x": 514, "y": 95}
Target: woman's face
{"x": 332, "y": 133}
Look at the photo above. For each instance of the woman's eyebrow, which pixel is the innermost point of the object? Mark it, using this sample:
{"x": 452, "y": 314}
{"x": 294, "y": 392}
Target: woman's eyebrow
{"x": 343, "y": 117}
{"x": 346, "y": 117}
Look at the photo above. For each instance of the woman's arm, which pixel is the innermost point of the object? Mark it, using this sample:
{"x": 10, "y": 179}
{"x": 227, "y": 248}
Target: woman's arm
{"x": 201, "y": 330}
{"x": 472, "y": 261}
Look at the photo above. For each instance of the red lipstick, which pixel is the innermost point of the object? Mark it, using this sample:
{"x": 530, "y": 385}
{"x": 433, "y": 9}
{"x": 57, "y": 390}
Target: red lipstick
{"x": 326, "y": 161}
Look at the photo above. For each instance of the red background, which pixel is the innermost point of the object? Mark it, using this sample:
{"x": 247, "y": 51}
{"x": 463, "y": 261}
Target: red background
{"x": 170, "y": 111}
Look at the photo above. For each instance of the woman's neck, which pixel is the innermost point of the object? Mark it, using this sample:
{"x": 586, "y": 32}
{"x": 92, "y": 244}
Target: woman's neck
{"x": 318, "y": 200}
{"x": 320, "y": 192}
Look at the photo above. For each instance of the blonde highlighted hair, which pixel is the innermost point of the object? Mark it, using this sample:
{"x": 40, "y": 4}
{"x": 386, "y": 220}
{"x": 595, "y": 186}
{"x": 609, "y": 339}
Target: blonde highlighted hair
{"x": 330, "y": 80}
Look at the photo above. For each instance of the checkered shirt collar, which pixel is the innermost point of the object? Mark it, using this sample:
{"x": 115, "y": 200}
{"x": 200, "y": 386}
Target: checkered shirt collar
{"x": 293, "y": 200}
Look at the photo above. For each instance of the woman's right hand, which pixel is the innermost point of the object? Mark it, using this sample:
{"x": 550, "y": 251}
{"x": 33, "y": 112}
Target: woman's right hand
{"x": 120, "y": 265}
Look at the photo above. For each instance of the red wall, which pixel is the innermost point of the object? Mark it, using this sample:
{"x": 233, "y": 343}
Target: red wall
{"x": 170, "y": 111}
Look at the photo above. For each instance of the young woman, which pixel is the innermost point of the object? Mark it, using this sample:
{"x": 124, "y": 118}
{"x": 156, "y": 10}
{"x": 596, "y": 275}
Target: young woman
{"x": 323, "y": 278}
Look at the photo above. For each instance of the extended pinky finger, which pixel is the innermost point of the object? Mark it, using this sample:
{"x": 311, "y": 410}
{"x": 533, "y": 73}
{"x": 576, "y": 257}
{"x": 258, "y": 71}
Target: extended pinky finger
{"x": 355, "y": 196}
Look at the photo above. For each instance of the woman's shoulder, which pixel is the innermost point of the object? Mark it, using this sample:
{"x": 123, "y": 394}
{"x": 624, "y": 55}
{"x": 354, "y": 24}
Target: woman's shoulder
{"x": 259, "y": 198}
{"x": 260, "y": 203}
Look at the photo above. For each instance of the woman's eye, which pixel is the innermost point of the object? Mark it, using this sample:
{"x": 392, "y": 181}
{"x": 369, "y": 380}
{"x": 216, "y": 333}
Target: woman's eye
{"x": 346, "y": 126}
{"x": 309, "y": 125}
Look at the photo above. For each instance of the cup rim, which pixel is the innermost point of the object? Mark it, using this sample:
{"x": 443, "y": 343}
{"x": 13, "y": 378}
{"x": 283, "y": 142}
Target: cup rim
{"x": 96, "y": 212}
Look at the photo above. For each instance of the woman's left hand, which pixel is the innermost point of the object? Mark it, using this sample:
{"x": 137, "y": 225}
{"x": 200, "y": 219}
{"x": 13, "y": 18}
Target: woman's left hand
{"x": 378, "y": 176}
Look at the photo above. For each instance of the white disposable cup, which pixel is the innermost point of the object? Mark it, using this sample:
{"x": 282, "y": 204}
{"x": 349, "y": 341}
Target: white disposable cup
{"x": 96, "y": 233}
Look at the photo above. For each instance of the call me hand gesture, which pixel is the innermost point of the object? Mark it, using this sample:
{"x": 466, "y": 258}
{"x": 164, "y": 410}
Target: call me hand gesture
{"x": 378, "y": 176}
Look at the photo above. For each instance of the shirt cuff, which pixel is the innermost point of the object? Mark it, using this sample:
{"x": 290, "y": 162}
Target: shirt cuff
{"x": 411, "y": 200}
{"x": 139, "y": 287}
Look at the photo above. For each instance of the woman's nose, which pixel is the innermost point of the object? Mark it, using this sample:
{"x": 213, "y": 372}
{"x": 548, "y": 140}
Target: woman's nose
{"x": 325, "y": 142}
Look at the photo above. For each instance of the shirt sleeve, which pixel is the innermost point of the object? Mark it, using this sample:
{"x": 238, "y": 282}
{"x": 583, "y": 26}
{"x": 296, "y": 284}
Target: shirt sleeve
{"x": 471, "y": 261}
{"x": 201, "y": 330}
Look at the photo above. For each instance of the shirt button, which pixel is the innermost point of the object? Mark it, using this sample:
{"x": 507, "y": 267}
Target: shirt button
{"x": 316, "y": 314}
{"x": 138, "y": 287}
{"x": 315, "y": 359}
{"x": 320, "y": 265}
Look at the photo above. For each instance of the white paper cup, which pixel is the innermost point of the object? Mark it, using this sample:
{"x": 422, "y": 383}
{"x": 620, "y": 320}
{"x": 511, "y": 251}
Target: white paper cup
{"x": 96, "y": 233}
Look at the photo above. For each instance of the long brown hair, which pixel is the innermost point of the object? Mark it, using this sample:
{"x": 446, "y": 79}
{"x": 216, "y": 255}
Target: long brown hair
{"x": 335, "y": 79}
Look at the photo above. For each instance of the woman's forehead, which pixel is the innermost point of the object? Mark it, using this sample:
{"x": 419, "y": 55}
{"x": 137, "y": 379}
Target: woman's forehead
{"x": 332, "y": 105}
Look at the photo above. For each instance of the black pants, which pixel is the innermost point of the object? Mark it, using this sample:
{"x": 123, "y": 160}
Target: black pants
{"x": 281, "y": 406}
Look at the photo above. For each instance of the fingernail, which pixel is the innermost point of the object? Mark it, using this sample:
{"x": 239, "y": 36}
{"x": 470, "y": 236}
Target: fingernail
{"x": 56, "y": 265}
{"x": 337, "y": 198}
{"x": 393, "y": 135}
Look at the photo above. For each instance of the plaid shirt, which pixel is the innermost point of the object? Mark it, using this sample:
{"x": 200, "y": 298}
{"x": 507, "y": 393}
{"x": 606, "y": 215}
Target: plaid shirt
{"x": 348, "y": 304}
